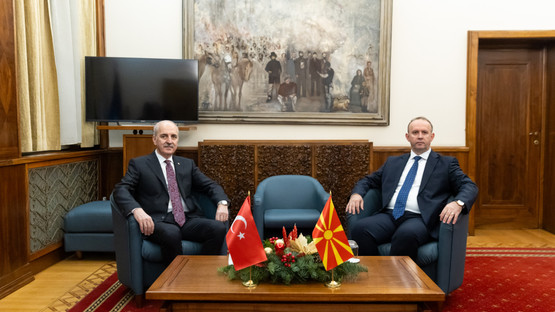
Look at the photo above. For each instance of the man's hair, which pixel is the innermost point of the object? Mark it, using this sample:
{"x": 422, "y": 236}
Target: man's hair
{"x": 420, "y": 118}
{"x": 157, "y": 126}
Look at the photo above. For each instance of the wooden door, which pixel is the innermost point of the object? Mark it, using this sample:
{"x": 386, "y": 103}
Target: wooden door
{"x": 509, "y": 130}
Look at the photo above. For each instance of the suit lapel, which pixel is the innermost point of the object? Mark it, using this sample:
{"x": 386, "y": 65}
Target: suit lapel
{"x": 430, "y": 165}
{"x": 156, "y": 168}
{"x": 179, "y": 174}
{"x": 397, "y": 168}
{"x": 400, "y": 167}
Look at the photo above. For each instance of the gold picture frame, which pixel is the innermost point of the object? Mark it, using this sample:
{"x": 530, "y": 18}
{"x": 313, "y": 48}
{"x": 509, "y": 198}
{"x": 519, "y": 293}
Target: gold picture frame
{"x": 225, "y": 35}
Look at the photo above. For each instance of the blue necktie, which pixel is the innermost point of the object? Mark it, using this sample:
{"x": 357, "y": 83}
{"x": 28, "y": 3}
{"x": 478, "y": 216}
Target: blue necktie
{"x": 401, "y": 202}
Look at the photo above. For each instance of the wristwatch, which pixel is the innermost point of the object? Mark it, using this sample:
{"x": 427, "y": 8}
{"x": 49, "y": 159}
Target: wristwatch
{"x": 460, "y": 202}
{"x": 223, "y": 202}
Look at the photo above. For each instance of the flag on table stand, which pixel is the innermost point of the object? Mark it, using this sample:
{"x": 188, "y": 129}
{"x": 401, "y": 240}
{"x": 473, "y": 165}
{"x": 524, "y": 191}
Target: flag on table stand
{"x": 243, "y": 241}
{"x": 330, "y": 238}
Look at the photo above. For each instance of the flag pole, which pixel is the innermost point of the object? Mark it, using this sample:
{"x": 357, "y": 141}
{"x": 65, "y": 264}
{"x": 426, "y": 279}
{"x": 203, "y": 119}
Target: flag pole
{"x": 333, "y": 283}
{"x": 249, "y": 283}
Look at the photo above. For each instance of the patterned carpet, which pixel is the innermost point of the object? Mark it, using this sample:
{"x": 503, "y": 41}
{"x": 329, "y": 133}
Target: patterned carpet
{"x": 506, "y": 280}
{"x": 496, "y": 279}
{"x": 79, "y": 291}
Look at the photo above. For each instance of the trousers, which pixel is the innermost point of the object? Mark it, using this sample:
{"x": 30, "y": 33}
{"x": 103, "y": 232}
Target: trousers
{"x": 406, "y": 234}
{"x": 168, "y": 234}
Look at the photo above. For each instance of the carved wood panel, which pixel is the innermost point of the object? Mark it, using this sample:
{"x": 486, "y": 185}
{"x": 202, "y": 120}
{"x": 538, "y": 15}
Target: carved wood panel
{"x": 283, "y": 159}
{"x": 241, "y": 165}
{"x": 339, "y": 167}
{"x": 232, "y": 166}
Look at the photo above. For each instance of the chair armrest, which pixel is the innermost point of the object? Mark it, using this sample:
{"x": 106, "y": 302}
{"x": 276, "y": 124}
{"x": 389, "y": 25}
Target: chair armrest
{"x": 128, "y": 243}
{"x": 208, "y": 208}
{"x": 257, "y": 209}
{"x": 372, "y": 205}
{"x": 452, "y": 254}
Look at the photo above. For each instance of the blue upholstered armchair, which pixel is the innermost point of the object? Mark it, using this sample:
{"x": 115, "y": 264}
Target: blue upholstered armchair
{"x": 139, "y": 262}
{"x": 286, "y": 200}
{"x": 442, "y": 260}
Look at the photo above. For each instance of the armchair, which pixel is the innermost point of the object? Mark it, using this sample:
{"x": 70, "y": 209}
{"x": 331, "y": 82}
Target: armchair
{"x": 442, "y": 260}
{"x": 286, "y": 200}
{"x": 139, "y": 262}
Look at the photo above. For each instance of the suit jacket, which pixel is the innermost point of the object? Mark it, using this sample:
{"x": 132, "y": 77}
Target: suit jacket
{"x": 144, "y": 186}
{"x": 442, "y": 179}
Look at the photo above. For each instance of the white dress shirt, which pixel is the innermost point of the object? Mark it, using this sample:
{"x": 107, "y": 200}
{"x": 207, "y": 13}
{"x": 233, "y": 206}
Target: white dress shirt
{"x": 412, "y": 203}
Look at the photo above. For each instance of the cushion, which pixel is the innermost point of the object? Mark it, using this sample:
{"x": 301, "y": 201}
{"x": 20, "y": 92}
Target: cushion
{"x": 93, "y": 217}
{"x": 427, "y": 253}
{"x": 278, "y": 218}
{"x": 153, "y": 252}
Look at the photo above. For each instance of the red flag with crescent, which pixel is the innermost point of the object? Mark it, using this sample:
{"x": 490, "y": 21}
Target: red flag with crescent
{"x": 243, "y": 241}
{"x": 330, "y": 238}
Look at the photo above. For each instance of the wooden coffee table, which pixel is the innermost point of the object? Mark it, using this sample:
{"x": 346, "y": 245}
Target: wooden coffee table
{"x": 192, "y": 283}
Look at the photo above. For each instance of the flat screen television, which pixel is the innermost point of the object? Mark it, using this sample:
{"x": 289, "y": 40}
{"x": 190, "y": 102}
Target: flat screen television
{"x": 123, "y": 89}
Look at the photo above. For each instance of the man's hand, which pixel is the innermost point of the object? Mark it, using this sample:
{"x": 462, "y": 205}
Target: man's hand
{"x": 145, "y": 221}
{"x": 222, "y": 213}
{"x": 355, "y": 204}
{"x": 450, "y": 213}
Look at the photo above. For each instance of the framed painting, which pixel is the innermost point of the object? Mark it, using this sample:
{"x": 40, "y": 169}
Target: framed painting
{"x": 291, "y": 62}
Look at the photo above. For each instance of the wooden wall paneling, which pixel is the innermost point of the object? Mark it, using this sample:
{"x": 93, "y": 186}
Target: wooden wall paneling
{"x": 338, "y": 167}
{"x": 380, "y": 154}
{"x": 9, "y": 116}
{"x": 135, "y": 145}
{"x": 283, "y": 159}
{"x": 188, "y": 152}
{"x": 240, "y": 165}
{"x": 14, "y": 234}
{"x": 111, "y": 168}
{"x": 233, "y": 167}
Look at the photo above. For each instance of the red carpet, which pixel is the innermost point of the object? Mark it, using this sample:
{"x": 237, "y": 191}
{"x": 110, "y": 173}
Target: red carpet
{"x": 111, "y": 295}
{"x": 495, "y": 280}
{"x": 506, "y": 280}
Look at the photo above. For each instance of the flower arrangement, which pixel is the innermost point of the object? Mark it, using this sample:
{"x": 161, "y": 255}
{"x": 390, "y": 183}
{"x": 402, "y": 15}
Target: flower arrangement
{"x": 292, "y": 259}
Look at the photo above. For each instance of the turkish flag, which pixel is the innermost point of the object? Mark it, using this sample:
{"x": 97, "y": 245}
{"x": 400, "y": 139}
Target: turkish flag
{"x": 330, "y": 238}
{"x": 243, "y": 241}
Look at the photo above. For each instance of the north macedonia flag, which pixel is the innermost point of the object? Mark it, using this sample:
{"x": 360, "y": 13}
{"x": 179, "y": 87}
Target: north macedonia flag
{"x": 330, "y": 238}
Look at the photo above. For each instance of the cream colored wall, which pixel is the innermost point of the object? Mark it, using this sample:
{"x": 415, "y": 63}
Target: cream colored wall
{"x": 428, "y": 63}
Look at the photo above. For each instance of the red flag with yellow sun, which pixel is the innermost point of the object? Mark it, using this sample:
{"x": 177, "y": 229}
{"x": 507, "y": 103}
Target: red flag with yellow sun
{"x": 330, "y": 238}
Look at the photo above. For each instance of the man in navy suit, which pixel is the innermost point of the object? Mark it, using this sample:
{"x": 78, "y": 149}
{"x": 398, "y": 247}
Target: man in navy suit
{"x": 437, "y": 179}
{"x": 144, "y": 192}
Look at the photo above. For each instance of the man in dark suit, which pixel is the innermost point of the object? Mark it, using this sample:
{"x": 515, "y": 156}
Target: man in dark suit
{"x": 167, "y": 214}
{"x": 411, "y": 213}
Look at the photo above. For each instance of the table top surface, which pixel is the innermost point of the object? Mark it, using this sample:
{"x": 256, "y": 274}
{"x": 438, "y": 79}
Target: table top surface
{"x": 389, "y": 279}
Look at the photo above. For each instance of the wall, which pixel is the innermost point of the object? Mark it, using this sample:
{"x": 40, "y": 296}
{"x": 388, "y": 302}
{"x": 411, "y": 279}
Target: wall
{"x": 428, "y": 63}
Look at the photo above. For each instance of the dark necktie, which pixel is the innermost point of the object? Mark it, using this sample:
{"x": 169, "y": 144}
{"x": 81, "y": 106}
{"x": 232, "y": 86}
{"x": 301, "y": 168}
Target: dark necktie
{"x": 401, "y": 202}
{"x": 177, "y": 208}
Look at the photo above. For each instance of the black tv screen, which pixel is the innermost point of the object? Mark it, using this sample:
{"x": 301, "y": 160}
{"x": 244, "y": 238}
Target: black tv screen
{"x": 141, "y": 89}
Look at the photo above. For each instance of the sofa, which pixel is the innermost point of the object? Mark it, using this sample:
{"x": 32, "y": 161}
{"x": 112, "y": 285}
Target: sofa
{"x": 89, "y": 227}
